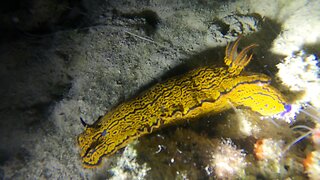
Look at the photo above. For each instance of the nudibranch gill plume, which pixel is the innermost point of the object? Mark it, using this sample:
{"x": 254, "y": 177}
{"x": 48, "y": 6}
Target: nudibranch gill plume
{"x": 202, "y": 91}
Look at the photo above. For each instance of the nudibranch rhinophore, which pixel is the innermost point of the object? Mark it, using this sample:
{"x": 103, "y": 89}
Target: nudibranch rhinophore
{"x": 199, "y": 92}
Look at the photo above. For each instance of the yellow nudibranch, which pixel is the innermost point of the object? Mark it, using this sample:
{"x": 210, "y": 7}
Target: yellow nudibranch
{"x": 199, "y": 92}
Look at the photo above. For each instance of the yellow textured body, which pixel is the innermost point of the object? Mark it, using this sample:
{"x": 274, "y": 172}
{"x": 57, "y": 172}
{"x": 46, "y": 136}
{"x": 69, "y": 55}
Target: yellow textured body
{"x": 196, "y": 93}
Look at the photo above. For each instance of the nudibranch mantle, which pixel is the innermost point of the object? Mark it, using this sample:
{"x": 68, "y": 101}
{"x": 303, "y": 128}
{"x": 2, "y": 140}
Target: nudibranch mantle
{"x": 199, "y": 92}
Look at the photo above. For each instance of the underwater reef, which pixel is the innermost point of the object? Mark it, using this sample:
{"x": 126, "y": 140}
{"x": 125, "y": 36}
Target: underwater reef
{"x": 82, "y": 59}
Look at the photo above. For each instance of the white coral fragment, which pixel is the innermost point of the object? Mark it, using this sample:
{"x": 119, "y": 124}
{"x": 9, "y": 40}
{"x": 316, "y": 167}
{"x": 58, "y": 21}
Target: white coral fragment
{"x": 228, "y": 161}
{"x": 127, "y": 167}
{"x": 299, "y": 72}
